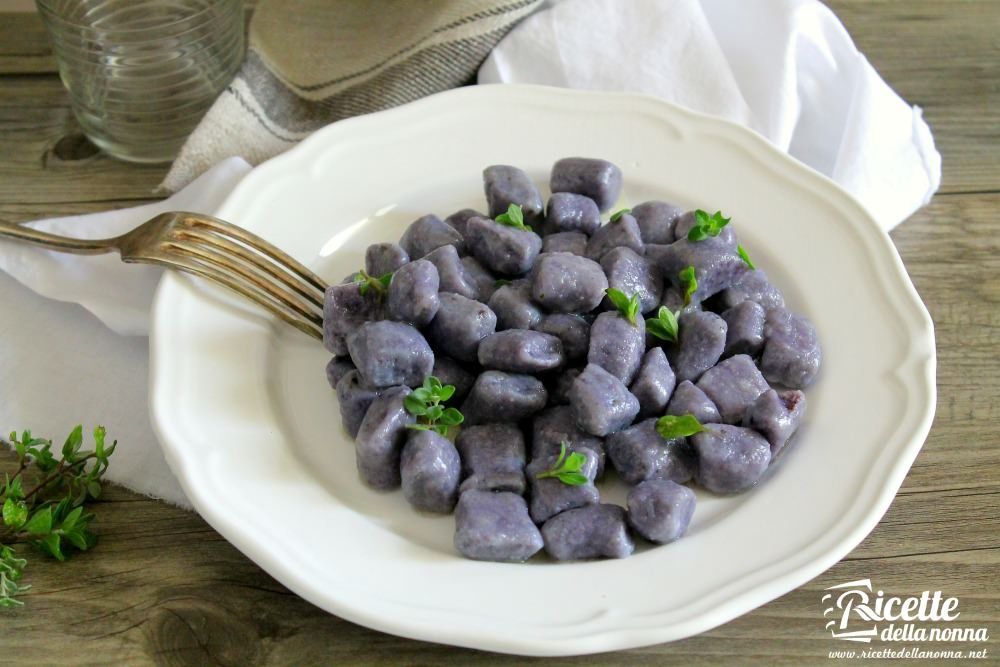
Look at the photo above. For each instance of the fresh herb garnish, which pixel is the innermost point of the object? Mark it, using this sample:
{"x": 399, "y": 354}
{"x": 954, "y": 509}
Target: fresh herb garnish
{"x": 500, "y": 282}
{"x": 690, "y": 283}
{"x": 745, "y": 257}
{"x": 367, "y": 282}
{"x": 425, "y": 404}
{"x": 514, "y": 217}
{"x": 664, "y": 325}
{"x": 670, "y": 427}
{"x": 628, "y": 307}
{"x": 707, "y": 225}
{"x": 616, "y": 216}
{"x": 33, "y": 515}
{"x": 567, "y": 468}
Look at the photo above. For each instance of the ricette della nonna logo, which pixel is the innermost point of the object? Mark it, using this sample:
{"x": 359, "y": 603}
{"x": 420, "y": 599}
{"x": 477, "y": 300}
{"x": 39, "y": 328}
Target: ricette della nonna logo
{"x": 856, "y": 612}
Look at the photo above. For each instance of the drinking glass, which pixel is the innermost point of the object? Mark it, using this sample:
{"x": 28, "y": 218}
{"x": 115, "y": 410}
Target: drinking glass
{"x": 142, "y": 73}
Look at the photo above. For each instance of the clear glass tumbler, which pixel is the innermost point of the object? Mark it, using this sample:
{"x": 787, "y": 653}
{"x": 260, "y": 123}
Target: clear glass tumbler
{"x": 142, "y": 73}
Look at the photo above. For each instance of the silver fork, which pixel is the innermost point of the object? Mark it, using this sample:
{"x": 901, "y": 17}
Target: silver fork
{"x": 213, "y": 249}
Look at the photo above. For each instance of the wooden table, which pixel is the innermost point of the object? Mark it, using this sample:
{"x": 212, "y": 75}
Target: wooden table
{"x": 164, "y": 587}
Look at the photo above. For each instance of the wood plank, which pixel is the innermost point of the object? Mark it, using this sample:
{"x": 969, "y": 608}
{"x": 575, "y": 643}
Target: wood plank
{"x": 24, "y": 46}
{"x": 943, "y": 57}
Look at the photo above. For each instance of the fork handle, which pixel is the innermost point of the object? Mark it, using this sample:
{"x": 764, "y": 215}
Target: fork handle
{"x": 54, "y": 241}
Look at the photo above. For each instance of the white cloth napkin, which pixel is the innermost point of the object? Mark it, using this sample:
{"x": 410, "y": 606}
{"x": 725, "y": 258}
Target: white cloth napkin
{"x": 61, "y": 366}
{"x": 785, "y": 68}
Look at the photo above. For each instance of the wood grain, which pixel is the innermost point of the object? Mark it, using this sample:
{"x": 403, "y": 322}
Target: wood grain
{"x": 164, "y": 588}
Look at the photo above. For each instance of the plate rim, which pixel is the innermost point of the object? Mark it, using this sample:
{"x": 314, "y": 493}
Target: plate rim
{"x": 920, "y": 361}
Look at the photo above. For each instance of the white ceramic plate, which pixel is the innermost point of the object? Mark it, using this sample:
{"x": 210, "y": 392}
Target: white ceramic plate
{"x": 252, "y": 430}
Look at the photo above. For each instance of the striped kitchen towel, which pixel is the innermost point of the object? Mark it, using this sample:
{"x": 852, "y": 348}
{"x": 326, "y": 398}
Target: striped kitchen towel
{"x": 313, "y": 62}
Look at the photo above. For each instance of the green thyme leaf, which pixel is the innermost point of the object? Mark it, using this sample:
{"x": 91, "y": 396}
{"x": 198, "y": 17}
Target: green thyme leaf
{"x": 414, "y": 405}
{"x": 690, "y": 283}
{"x": 13, "y": 489}
{"x": 368, "y": 282}
{"x": 500, "y": 282}
{"x": 11, "y": 569}
{"x": 627, "y": 306}
{"x": 567, "y": 469}
{"x": 73, "y": 443}
{"x": 670, "y": 427}
{"x": 15, "y": 513}
{"x": 40, "y": 522}
{"x": 707, "y": 225}
{"x": 514, "y": 217}
{"x": 33, "y": 515}
{"x": 424, "y": 403}
{"x": 664, "y": 325}
{"x": 616, "y": 216}
{"x": 745, "y": 257}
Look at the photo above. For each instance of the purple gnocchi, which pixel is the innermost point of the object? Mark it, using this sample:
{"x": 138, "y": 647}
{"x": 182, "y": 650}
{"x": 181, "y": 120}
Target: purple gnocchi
{"x": 753, "y": 286}
{"x": 449, "y": 371}
{"x": 601, "y": 402}
{"x": 503, "y": 397}
{"x": 380, "y": 439}
{"x": 575, "y": 243}
{"x": 622, "y": 233}
{"x": 593, "y": 531}
{"x": 639, "y": 453}
{"x": 557, "y": 425}
{"x": 572, "y": 330}
{"x": 730, "y": 458}
{"x": 390, "y": 353}
{"x": 506, "y": 185}
{"x": 688, "y": 399}
{"x": 501, "y": 248}
{"x": 383, "y": 258}
{"x": 791, "y": 349}
{"x": 430, "y": 469}
{"x": 550, "y": 496}
{"x": 413, "y": 293}
{"x": 337, "y": 368}
{"x": 656, "y": 220}
{"x": 776, "y": 416}
{"x": 345, "y": 309}
{"x": 459, "y": 326}
{"x": 599, "y": 180}
{"x": 701, "y": 339}
{"x": 493, "y": 458}
{"x": 733, "y": 385}
{"x": 458, "y": 219}
{"x": 631, "y": 273}
{"x": 495, "y": 526}
{"x": 427, "y": 233}
{"x": 452, "y": 274}
{"x": 479, "y": 278}
{"x": 744, "y": 328}
{"x": 354, "y": 396}
{"x": 654, "y": 384}
{"x": 571, "y": 212}
{"x": 565, "y": 283}
{"x": 660, "y": 510}
{"x": 513, "y": 306}
{"x": 521, "y": 351}
{"x": 617, "y": 345}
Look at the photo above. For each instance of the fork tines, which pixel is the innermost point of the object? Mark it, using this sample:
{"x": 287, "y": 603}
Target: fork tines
{"x": 251, "y": 266}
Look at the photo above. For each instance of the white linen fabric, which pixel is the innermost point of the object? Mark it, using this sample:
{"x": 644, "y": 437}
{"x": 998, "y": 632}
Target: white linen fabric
{"x": 62, "y": 366}
{"x": 785, "y": 68}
